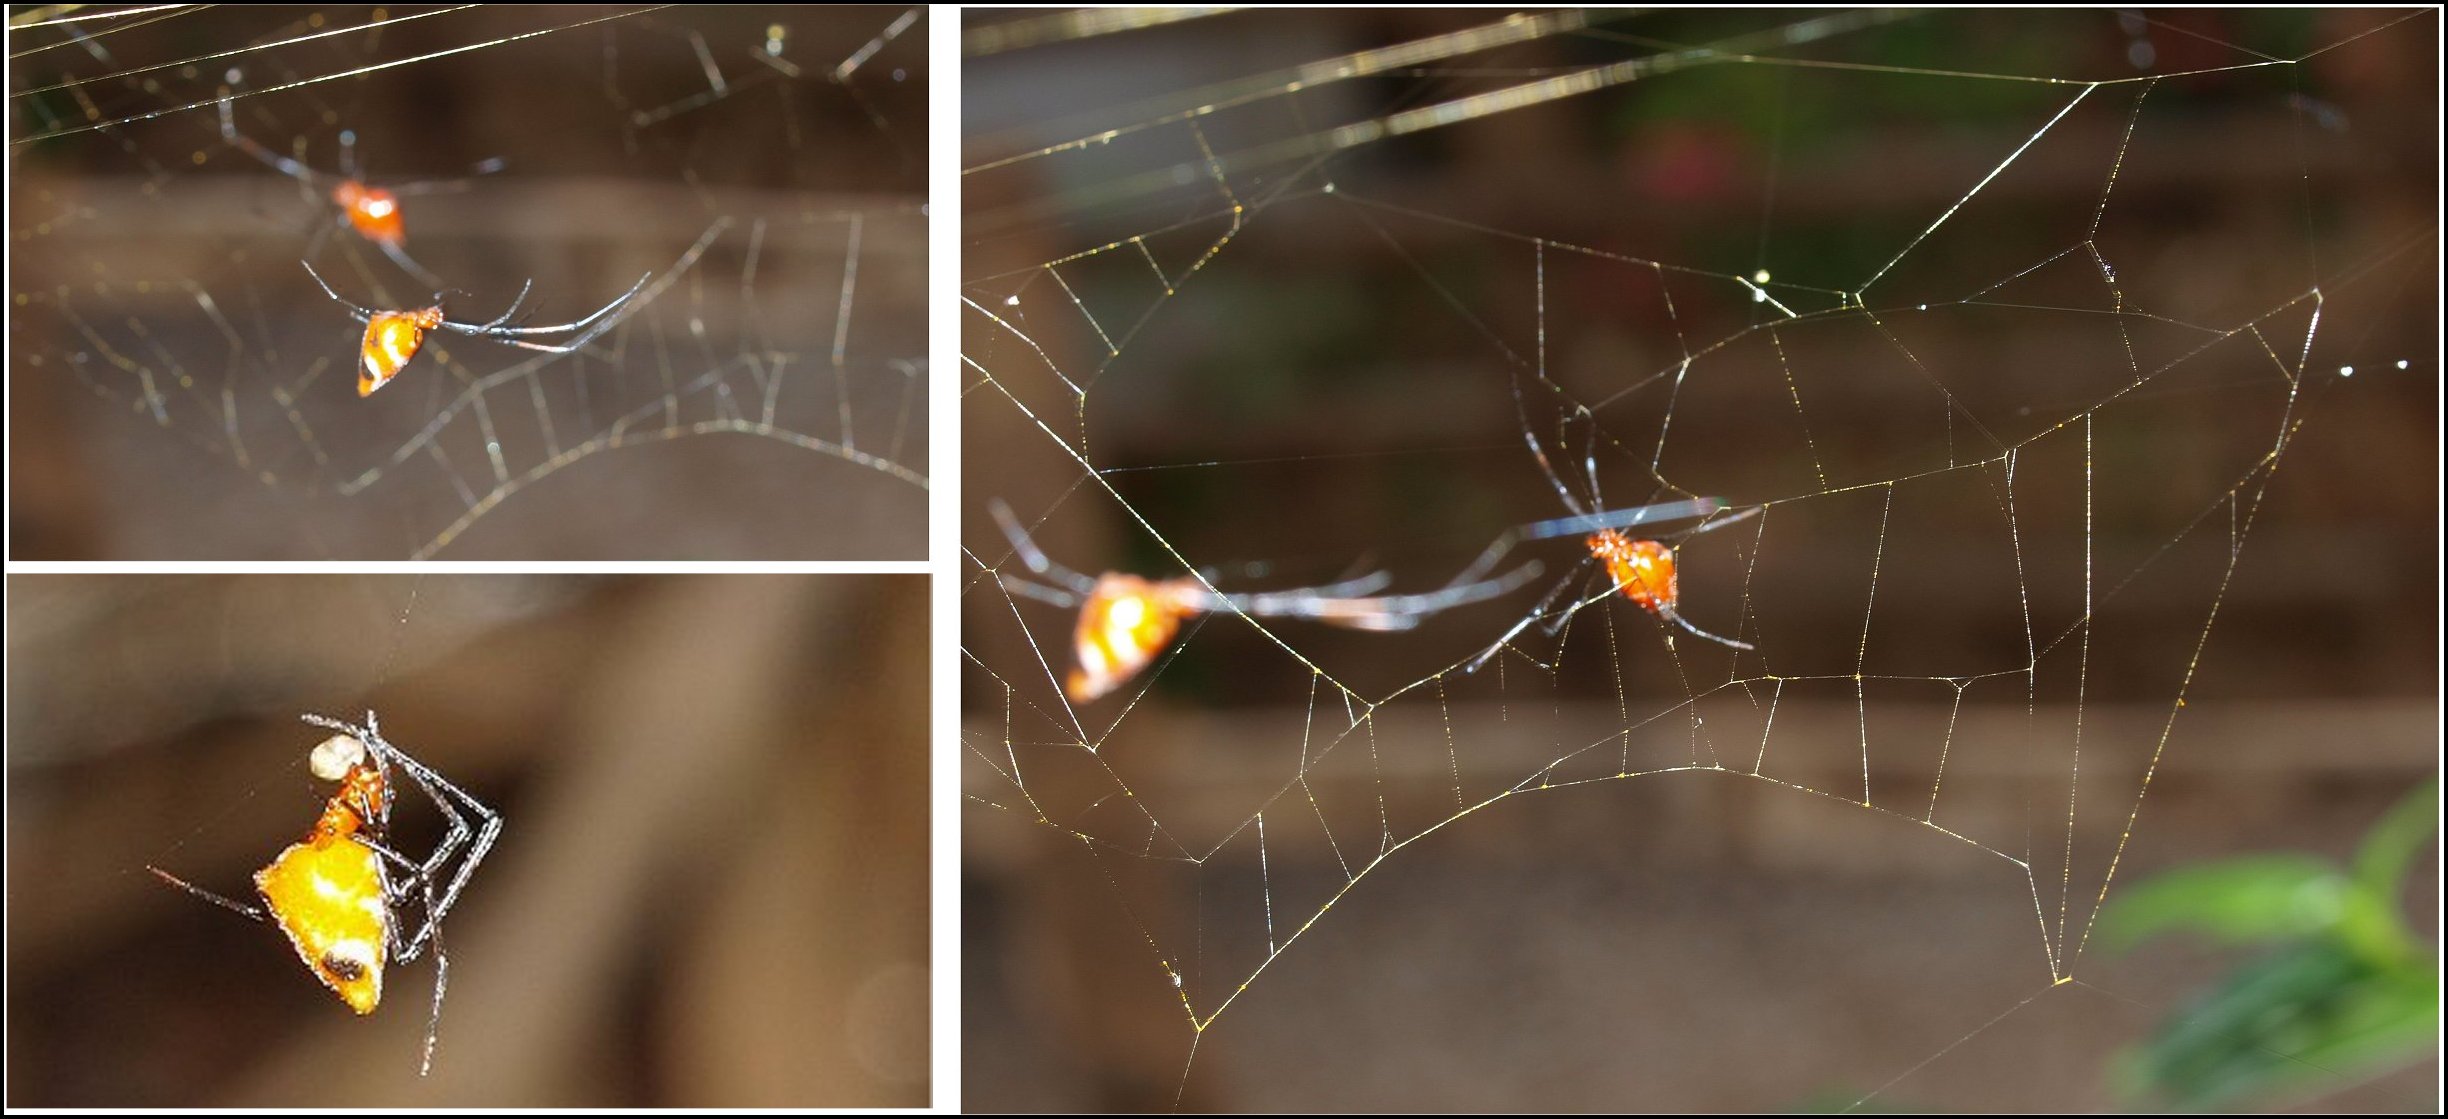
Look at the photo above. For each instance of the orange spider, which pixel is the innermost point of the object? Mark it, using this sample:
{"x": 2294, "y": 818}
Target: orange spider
{"x": 392, "y": 338}
{"x": 1125, "y": 620}
{"x": 1642, "y": 570}
{"x": 330, "y": 893}
{"x": 372, "y": 211}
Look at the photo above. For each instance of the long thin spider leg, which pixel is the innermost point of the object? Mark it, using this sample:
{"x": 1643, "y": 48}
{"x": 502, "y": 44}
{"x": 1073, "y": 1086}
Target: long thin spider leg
{"x": 1538, "y": 451}
{"x": 1390, "y": 613}
{"x": 1670, "y": 614}
{"x": 581, "y": 324}
{"x": 449, "y": 186}
{"x": 436, "y": 788}
{"x": 1583, "y": 524}
{"x": 242, "y": 909}
{"x": 399, "y": 256}
{"x": 361, "y": 315}
{"x": 513, "y": 308}
{"x": 433, "y": 1022}
{"x": 1589, "y": 454}
{"x": 1738, "y": 518}
{"x": 538, "y": 347}
{"x": 456, "y": 835}
{"x": 328, "y": 723}
{"x": 1029, "y": 554}
{"x": 1587, "y": 600}
{"x": 1536, "y": 614}
{"x": 1488, "y": 558}
{"x": 486, "y": 831}
{"x": 320, "y": 231}
{"x": 1276, "y": 602}
{"x": 280, "y": 163}
{"x": 425, "y": 873}
{"x": 1498, "y": 645}
{"x": 399, "y": 860}
{"x": 1022, "y": 587}
{"x": 1383, "y": 612}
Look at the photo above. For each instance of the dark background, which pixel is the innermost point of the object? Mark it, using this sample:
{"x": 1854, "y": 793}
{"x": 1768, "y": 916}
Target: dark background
{"x": 616, "y": 160}
{"x": 1331, "y": 392}
{"x": 710, "y": 887}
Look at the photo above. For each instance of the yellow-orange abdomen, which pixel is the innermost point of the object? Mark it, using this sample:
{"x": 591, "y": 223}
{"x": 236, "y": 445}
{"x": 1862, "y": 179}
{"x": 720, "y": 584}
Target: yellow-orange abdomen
{"x": 1645, "y": 569}
{"x": 391, "y": 339}
{"x": 1123, "y": 625}
{"x": 328, "y": 895}
{"x": 372, "y": 211}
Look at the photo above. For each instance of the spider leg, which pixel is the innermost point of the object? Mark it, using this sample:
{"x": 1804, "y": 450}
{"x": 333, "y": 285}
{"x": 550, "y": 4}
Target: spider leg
{"x": 1383, "y": 613}
{"x": 399, "y": 256}
{"x": 282, "y": 164}
{"x": 250, "y": 912}
{"x": 606, "y": 309}
{"x": 1499, "y": 644}
{"x": 1669, "y": 613}
{"x": 1488, "y": 558}
{"x": 433, "y": 1021}
{"x": 1022, "y": 587}
{"x": 447, "y": 798}
{"x": 398, "y": 894}
{"x": 1538, "y": 451}
{"x": 1582, "y": 524}
{"x": 1295, "y": 602}
{"x": 321, "y": 231}
{"x": 1738, "y": 518}
{"x": 449, "y": 186}
{"x": 484, "y": 833}
{"x": 328, "y": 723}
{"x": 1564, "y": 617}
{"x": 1589, "y": 454}
{"x": 1283, "y": 602}
{"x": 513, "y": 308}
{"x": 361, "y": 315}
{"x": 1029, "y": 554}
{"x": 1536, "y": 614}
{"x": 538, "y": 347}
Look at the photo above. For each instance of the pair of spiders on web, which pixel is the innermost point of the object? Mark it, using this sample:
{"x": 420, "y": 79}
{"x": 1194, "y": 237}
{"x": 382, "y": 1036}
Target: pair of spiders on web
{"x": 1125, "y": 621}
{"x": 338, "y": 894}
{"x": 392, "y": 338}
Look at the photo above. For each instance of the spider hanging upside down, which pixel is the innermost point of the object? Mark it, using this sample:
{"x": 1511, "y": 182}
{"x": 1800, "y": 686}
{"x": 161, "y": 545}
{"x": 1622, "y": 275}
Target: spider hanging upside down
{"x": 1643, "y": 570}
{"x": 330, "y": 893}
{"x": 392, "y": 338}
{"x": 1124, "y": 620}
{"x": 374, "y": 212}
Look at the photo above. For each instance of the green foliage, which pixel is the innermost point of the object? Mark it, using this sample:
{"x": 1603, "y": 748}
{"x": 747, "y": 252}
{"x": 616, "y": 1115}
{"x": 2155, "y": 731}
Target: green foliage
{"x": 2347, "y": 990}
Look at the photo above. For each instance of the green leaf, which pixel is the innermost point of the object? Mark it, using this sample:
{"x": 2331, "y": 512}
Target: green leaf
{"x": 2236, "y": 901}
{"x": 2397, "y": 838}
{"x": 2314, "y": 1016}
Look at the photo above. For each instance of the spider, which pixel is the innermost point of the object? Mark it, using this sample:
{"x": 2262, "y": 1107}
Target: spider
{"x": 1642, "y": 569}
{"x": 331, "y": 894}
{"x": 374, "y": 212}
{"x": 392, "y": 338}
{"x": 1125, "y": 620}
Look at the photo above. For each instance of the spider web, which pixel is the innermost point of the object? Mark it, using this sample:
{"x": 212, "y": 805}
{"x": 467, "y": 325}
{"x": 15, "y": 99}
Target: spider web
{"x": 183, "y": 390}
{"x": 2025, "y": 332}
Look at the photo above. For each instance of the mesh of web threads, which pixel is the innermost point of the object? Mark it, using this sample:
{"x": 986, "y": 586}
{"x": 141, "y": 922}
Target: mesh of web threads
{"x": 765, "y": 168}
{"x": 2009, "y": 450}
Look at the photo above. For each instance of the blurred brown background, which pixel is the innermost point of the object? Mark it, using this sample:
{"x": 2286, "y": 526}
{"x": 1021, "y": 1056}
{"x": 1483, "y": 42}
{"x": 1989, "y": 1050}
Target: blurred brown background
{"x": 1328, "y": 393}
{"x": 142, "y": 427}
{"x": 710, "y": 887}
